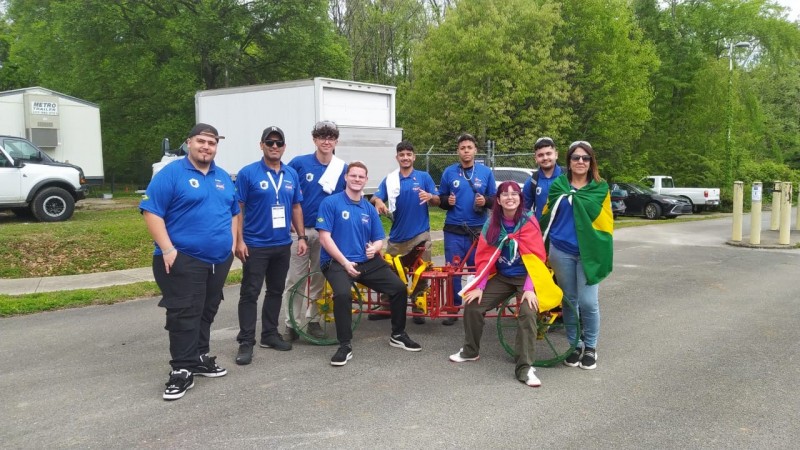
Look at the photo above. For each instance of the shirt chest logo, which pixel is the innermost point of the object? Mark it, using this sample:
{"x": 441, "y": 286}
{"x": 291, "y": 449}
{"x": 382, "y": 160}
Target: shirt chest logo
{"x": 456, "y": 183}
{"x": 346, "y": 215}
{"x": 194, "y": 183}
{"x": 309, "y": 177}
{"x": 263, "y": 185}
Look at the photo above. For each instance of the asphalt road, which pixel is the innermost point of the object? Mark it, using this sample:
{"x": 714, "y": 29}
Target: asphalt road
{"x": 697, "y": 350}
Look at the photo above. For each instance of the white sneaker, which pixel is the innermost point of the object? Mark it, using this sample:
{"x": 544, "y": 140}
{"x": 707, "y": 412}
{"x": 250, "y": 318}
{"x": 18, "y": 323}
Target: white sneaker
{"x": 531, "y": 379}
{"x": 456, "y": 357}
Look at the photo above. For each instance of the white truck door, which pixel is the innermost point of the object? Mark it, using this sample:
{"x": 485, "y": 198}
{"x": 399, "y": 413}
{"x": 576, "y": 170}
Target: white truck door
{"x": 10, "y": 180}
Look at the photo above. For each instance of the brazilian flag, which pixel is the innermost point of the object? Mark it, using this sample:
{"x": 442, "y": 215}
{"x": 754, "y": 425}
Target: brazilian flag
{"x": 594, "y": 223}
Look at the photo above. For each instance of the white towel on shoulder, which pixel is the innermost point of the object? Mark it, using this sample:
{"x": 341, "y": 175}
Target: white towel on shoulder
{"x": 330, "y": 178}
{"x": 393, "y": 189}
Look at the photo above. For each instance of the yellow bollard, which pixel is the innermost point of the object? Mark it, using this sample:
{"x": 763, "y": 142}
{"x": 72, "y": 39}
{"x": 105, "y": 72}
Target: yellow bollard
{"x": 755, "y": 213}
{"x": 775, "y": 215}
{"x": 786, "y": 213}
{"x": 738, "y": 201}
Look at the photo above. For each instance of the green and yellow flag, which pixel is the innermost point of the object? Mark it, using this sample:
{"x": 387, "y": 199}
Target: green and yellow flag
{"x": 594, "y": 224}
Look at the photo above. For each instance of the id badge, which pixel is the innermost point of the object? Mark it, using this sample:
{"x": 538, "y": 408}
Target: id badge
{"x": 278, "y": 217}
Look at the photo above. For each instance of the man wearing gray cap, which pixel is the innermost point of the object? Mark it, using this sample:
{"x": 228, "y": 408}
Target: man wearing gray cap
{"x": 269, "y": 197}
{"x": 190, "y": 209}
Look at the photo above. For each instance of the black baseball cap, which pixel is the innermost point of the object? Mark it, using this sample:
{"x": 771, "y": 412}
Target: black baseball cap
{"x": 270, "y": 130}
{"x": 206, "y": 129}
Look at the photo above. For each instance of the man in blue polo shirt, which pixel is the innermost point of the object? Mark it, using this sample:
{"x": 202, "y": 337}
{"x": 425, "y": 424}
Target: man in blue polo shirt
{"x": 321, "y": 175}
{"x": 269, "y": 196}
{"x": 467, "y": 191}
{"x": 536, "y": 188}
{"x": 405, "y": 194}
{"x": 190, "y": 208}
{"x": 351, "y": 236}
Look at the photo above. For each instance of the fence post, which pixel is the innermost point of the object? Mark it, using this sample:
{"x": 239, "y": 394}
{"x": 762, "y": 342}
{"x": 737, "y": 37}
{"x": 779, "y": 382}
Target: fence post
{"x": 755, "y": 213}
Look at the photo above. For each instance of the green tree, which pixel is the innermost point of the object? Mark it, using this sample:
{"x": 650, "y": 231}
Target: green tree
{"x": 143, "y": 60}
{"x": 489, "y": 69}
{"x": 613, "y": 65}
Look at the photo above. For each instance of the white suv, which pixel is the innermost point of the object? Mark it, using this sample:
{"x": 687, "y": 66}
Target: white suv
{"x": 33, "y": 183}
{"x": 518, "y": 174}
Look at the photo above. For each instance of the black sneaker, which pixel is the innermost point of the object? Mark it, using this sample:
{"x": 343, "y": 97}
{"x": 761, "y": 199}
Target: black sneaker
{"x": 344, "y": 354}
{"x": 275, "y": 341}
{"x": 589, "y": 359}
{"x": 245, "y": 354}
{"x": 403, "y": 341}
{"x": 574, "y": 359}
{"x": 208, "y": 367}
{"x": 179, "y": 382}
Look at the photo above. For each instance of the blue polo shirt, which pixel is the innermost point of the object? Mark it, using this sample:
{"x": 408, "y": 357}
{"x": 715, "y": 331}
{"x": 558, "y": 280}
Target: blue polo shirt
{"x": 410, "y": 218}
{"x": 196, "y": 209}
{"x": 351, "y": 224}
{"x": 542, "y": 189}
{"x": 562, "y": 231}
{"x": 455, "y": 180}
{"x": 310, "y": 170}
{"x": 255, "y": 190}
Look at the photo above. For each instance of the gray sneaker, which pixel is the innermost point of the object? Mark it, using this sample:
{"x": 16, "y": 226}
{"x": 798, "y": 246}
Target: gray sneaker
{"x": 315, "y": 330}
{"x": 290, "y": 335}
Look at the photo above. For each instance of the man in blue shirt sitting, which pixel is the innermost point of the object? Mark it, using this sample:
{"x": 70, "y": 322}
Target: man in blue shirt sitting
{"x": 351, "y": 236}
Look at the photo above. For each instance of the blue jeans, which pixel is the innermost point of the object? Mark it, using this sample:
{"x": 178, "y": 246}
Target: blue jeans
{"x": 572, "y": 280}
{"x": 457, "y": 245}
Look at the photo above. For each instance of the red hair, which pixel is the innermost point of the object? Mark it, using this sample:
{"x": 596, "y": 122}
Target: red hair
{"x": 496, "y": 219}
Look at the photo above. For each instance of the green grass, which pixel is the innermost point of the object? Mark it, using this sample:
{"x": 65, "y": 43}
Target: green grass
{"x": 92, "y": 241}
{"x": 11, "y": 305}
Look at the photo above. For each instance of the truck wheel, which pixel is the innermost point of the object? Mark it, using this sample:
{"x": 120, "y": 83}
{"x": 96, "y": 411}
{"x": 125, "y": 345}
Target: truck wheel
{"x": 652, "y": 211}
{"x": 53, "y": 204}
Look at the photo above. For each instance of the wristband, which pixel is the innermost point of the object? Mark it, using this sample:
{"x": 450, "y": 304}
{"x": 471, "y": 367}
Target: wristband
{"x": 165, "y": 253}
{"x": 302, "y": 238}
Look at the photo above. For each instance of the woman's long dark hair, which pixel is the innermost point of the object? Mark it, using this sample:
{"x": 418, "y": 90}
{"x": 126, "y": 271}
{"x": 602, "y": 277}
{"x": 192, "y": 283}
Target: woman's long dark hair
{"x": 496, "y": 219}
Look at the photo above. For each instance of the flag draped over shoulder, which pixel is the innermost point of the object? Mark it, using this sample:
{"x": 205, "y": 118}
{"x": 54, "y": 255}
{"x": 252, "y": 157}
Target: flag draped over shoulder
{"x": 594, "y": 224}
{"x": 528, "y": 240}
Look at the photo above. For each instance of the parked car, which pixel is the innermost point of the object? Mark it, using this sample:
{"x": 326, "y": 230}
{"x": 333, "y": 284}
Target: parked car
{"x": 518, "y": 174}
{"x": 618, "y": 201}
{"x": 643, "y": 201}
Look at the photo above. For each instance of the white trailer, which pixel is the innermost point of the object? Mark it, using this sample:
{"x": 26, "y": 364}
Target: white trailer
{"x": 66, "y": 128}
{"x": 364, "y": 113}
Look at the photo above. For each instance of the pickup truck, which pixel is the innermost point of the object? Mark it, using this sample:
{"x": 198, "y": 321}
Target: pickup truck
{"x": 700, "y": 198}
{"x": 32, "y": 183}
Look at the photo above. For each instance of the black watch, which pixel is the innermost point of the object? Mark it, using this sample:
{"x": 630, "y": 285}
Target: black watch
{"x": 304, "y": 238}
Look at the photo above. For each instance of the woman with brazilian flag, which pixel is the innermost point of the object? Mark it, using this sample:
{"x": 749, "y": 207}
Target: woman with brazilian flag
{"x": 510, "y": 259}
{"x": 579, "y": 225}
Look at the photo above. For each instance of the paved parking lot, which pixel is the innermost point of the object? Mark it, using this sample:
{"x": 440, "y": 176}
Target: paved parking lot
{"x": 696, "y": 350}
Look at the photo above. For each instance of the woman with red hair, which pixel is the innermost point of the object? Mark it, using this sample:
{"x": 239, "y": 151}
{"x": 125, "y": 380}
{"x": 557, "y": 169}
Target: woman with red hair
{"x": 510, "y": 260}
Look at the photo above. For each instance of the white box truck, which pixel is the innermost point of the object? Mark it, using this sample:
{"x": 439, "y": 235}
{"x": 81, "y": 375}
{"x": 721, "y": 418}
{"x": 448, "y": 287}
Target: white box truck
{"x": 66, "y": 128}
{"x": 364, "y": 113}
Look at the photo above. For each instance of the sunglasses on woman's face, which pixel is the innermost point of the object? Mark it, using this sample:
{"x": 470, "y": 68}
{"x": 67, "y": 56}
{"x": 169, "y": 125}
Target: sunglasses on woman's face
{"x": 585, "y": 158}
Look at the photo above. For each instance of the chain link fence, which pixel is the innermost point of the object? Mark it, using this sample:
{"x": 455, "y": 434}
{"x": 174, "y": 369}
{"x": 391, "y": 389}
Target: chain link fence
{"x": 435, "y": 163}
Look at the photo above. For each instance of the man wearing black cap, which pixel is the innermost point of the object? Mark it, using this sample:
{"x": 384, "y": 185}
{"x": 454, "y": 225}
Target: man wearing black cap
{"x": 537, "y": 187}
{"x": 190, "y": 210}
{"x": 269, "y": 197}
